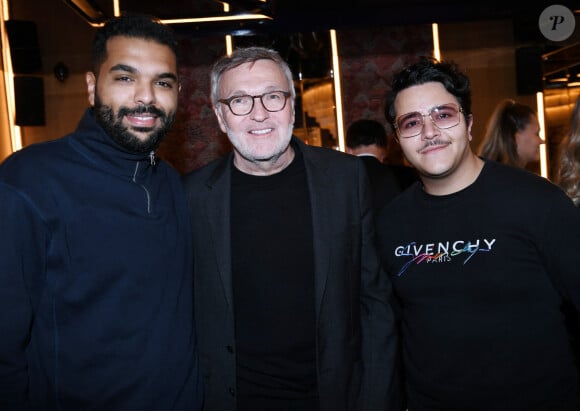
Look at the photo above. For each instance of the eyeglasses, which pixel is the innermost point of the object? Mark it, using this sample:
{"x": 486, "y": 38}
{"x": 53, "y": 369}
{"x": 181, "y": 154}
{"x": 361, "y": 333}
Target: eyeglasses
{"x": 444, "y": 116}
{"x": 241, "y": 105}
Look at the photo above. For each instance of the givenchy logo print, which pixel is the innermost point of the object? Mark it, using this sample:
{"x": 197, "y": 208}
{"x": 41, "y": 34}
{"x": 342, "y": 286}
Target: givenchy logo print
{"x": 441, "y": 252}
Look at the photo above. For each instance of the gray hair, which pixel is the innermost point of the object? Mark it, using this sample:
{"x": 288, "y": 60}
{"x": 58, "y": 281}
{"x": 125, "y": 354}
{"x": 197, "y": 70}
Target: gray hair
{"x": 247, "y": 55}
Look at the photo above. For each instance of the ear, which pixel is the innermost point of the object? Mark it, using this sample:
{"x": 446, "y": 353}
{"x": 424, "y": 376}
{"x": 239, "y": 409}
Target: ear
{"x": 91, "y": 86}
{"x": 220, "y": 119}
{"x": 469, "y": 119}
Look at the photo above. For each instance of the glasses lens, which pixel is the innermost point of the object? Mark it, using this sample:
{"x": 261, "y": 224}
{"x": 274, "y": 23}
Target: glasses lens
{"x": 445, "y": 116}
{"x": 241, "y": 105}
{"x": 274, "y": 101}
{"x": 410, "y": 124}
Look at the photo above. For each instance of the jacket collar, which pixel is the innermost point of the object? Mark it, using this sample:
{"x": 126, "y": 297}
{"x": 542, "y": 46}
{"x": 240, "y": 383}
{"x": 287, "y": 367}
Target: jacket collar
{"x": 91, "y": 141}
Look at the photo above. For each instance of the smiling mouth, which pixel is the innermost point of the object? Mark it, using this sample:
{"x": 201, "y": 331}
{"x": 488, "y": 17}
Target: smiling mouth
{"x": 262, "y": 131}
{"x": 142, "y": 120}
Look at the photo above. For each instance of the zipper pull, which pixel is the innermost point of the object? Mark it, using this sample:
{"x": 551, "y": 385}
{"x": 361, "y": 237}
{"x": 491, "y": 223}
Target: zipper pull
{"x": 152, "y": 158}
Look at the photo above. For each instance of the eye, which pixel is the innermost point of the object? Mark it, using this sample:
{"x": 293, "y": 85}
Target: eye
{"x": 164, "y": 84}
{"x": 240, "y": 100}
{"x": 274, "y": 96}
{"x": 411, "y": 121}
{"x": 123, "y": 78}
{"x": 445, "y": 112}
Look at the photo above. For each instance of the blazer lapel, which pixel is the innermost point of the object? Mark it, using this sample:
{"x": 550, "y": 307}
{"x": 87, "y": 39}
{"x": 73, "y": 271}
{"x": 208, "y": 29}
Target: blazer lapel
{"x": 321, "y": 224}
{"x": 218, "y": 212}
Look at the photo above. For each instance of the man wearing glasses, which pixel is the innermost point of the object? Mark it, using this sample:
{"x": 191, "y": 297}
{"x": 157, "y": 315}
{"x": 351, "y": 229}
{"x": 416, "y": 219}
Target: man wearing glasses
{"x": 291, "y": 309}
{"x": 482, "y": 257}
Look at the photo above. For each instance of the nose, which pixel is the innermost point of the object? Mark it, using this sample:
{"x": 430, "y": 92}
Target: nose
{"x": 259, "y": 112}
{"x": 430, "y": 130}
{"x": 144, "y": 93}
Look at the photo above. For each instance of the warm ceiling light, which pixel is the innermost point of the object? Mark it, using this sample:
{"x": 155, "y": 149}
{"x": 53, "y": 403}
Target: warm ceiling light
{"x": 96, "y": 17}
{"x": 90, "y": 13}
{"x": 234, "y": 17}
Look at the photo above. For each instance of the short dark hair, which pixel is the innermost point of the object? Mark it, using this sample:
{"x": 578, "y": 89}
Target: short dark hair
{"x": 365, "y": 132}
{"x": 135, "y": 25}
{"x": 426, "y": 70}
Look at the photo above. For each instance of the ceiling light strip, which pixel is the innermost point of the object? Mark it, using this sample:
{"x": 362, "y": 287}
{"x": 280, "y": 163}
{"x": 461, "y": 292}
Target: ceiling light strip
{"x": 236, "y": 17}
{"x": 543, "y": 149}
{"x": 337, "y": 90}
{"x": 15, "y": 132}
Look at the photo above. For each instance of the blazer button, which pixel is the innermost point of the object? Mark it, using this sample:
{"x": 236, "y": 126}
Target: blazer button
{"x": 232, "y": 392}
{"x": 230, "y": 349}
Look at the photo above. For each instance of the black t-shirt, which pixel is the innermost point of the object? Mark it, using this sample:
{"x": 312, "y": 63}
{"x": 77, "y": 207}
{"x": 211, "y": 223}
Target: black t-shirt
{"x": 273, "y": 284}
{"x": 480, "y": 277}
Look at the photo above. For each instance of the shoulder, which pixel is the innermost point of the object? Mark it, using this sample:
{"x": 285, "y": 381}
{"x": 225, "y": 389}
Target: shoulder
{"x": 34, "y": 160}
{"x": 214, "y": 168}
{"x": 521, "y": 194}
{"x": 507, "y": 179}
{"x": 328, "y": 156}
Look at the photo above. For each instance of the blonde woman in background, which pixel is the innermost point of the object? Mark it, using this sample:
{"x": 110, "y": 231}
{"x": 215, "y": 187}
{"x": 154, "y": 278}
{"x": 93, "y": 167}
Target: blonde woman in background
{"x": 568, "y": 176}
{"x": 512, "y": 135}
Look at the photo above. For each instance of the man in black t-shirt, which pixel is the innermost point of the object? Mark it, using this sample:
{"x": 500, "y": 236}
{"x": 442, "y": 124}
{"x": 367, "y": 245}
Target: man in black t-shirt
{"x": 482, "y": 257}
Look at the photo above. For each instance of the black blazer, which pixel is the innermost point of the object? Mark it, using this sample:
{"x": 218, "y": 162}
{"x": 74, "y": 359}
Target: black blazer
{"x": 355, "y": 330}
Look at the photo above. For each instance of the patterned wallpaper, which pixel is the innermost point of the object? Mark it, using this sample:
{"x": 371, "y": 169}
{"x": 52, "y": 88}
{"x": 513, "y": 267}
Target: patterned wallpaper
{"x": 367, "y": 60}
{"x": 195, "y": 138}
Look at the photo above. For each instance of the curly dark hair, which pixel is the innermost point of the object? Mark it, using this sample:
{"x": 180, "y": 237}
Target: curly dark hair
{"x": 425, "y": 70}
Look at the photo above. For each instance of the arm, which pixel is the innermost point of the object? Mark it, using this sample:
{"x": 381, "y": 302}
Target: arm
{"x": 21, "y": 260}
{"x": 560, "y": 242}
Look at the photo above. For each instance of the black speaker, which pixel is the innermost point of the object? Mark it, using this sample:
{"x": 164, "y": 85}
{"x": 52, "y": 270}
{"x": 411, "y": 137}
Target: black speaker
{"x": 529, "y": 70}
{"x": 24, "y": 47}
{"x": 29, "y": 99}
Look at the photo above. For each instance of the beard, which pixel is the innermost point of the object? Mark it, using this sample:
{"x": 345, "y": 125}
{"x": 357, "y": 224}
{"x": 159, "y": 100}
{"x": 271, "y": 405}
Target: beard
{"x": 113, "y": 125}
{"x": 257, "y": 152}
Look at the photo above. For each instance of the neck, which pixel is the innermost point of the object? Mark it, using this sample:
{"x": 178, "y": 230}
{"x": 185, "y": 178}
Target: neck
{"x": 370, "y": 150}
{"x": 266, "y": 167}
{"x": 460, "y": 178}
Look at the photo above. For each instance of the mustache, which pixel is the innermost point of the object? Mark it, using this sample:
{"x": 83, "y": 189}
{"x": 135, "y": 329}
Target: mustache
{"x": 433, "y": 143}
{"x": 141, "y": 109}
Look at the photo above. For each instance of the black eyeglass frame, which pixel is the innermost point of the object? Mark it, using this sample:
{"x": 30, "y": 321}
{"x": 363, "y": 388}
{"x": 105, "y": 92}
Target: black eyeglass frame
{"x": 227, "y": 101}
{"x": 456, "y": 106}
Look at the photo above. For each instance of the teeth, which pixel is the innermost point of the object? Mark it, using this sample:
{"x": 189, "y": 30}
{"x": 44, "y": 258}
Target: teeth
{"x": 265, "y": 131}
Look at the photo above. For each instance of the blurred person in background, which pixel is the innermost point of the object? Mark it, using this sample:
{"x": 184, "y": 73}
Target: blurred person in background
{"x": 568, "y": 176}
{"x": 512, "y": 135}
{"x": 367, "y": 139}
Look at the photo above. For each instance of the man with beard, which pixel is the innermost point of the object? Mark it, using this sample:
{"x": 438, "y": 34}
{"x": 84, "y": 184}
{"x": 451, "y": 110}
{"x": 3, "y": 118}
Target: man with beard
{"x": 291, "y": 308}
{"x": 95, "y": 253}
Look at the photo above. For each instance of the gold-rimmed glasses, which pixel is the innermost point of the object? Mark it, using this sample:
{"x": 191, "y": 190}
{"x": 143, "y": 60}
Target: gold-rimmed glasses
{"x": 443, "y": 116}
